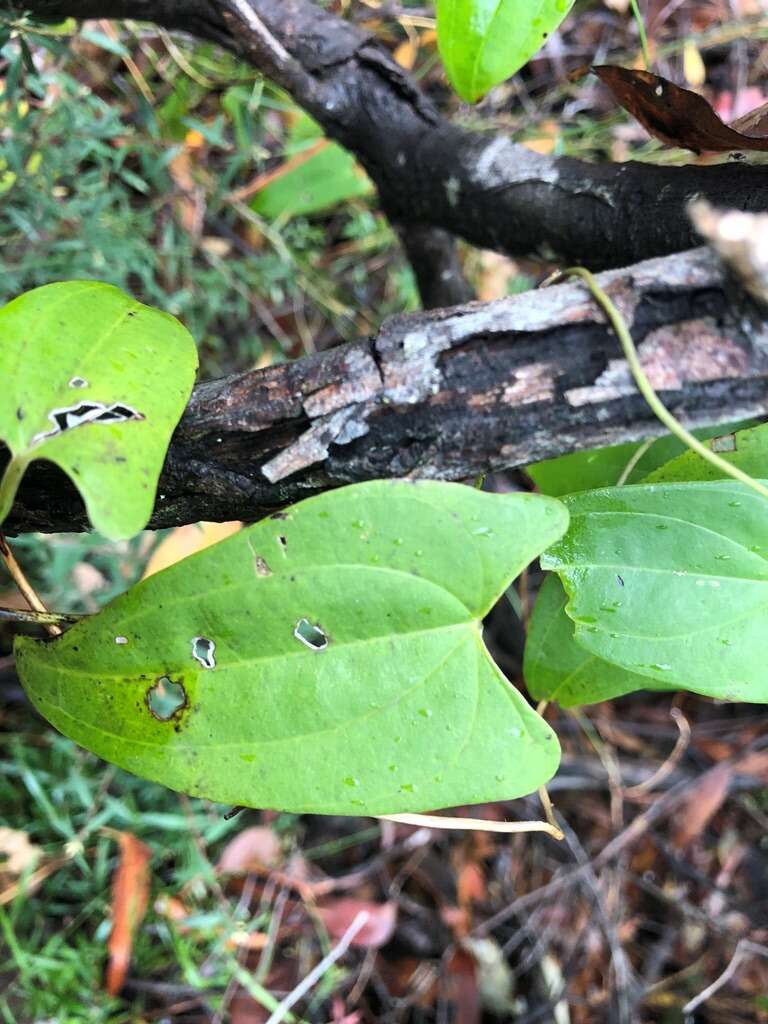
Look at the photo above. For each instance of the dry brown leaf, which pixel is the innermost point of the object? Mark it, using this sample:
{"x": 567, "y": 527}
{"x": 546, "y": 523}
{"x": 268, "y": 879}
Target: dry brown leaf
{"x": 174, "y": 909}
{"x": 17, "y": 853}
{"x": 494, "y": 274}
{"x": 185, "y": 541}
{"x": 406, "y": 53}
{"x": 130, "y": 896}
{"x": 755, "y": 123}
{"x": 30, "y": 883}
{"x": 754, "y": 764}
{"x": 675, "y": 115}
{"x": 339, "y": 914}
{"x": 470, "y": 885}
{"x": 545, "y": 140}
{"x": 703, "y": 802}
{"x": 462, "y": 989}
{"x": 256, "y": 847}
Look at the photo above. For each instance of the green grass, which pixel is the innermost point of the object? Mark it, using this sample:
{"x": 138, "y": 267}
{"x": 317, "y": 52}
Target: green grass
{"x": 98, "y": 180}
{"x": 54, "y": 954}
{"x": 53, "y": 949}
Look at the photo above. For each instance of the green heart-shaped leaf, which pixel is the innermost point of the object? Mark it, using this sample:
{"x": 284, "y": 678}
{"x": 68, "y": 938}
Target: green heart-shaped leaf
{"x": 670, "y": 581}
{"x": 328, "y": 659}
{"x": 483, "y": 42}
{"x": 558, "y": 669}
{"x": 95, "y": 382}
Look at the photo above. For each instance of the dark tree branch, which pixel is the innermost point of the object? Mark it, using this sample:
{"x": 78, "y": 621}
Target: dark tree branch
{"x": 430, "y": 172}
{"x": 432, "y": 254}
{"x": 453, "y": 393}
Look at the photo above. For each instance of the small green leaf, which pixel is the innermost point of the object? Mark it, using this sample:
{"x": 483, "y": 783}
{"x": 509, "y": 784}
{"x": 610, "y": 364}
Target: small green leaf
{"x": 745, "y": 449}
{"x": 670, "y": 581}
{"x": 329, "y": 176}
{"x": 557, "y": 669}
{"x": 483, "y": 42}
{"x": 327, "y": 659}
{"x": 95, "y": 382}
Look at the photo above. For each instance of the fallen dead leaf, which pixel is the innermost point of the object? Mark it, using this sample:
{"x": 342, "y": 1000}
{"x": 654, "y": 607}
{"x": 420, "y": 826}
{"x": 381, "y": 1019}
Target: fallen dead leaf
{"x": 340, "y": 1015}
{"x": 406, "y": 53}
{"x": 130, "y": 896}
{"x": 173, "y": 909}
{"x": 494, "y": 275}
{"x": 185, "y": 541}
{"x": 462, "y": 991}
{"x": 754, "y": 764}
{"x": 675, "y": 115}
{"x": 470, "y": 885}
{"x": 17, "y": 853}
{"x": 253, "y": 848}
{"x": 339, "y": 914}
{"x": 703, "y": 802}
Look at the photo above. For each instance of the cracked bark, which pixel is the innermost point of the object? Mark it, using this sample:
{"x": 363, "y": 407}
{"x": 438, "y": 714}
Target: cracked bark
{"x": 453, "y": 393}
{"x": 432, "y": 173}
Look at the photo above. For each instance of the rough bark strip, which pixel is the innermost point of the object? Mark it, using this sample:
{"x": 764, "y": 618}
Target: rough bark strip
{"x": 453, "y": 393}
{"x": 429, "y": 172}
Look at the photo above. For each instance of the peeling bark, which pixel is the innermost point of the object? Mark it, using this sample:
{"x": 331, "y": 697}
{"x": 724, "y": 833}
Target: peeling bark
{"x": 453, "y": 393}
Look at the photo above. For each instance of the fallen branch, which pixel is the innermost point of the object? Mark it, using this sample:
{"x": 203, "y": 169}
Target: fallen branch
{"x": 454, "y": 393}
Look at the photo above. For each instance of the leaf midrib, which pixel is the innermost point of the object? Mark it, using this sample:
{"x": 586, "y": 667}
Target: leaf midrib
{"x": 470, "y": 625}
{"x": 250, "y": 744}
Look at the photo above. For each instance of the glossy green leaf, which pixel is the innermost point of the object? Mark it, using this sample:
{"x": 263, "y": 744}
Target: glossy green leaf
{"x": 328, "y": 659}
{"x": 603, "y": 467}
{"x": 670, "y": 581}
{"x": 745, "y": 449}
{"x": 329, "y": 176}
{"x": 483, "y": 42}
{"x": 95, "y": 382}
{"x": 556, "y": 668}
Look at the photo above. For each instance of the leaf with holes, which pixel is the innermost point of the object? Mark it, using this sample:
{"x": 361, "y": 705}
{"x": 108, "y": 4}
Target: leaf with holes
{"x": 95, "y": 382}
{"x": 556, "y": 668}
{"x": 328, "y": 659}
{"x": 483, "y": 42}
{"x": 670, "y": 581}
{"x": 745, "y": 449}
{"x": 603, "y": 467}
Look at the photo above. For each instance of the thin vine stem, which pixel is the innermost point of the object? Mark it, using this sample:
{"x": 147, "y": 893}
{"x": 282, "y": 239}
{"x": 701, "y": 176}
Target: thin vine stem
{"x": 38, "y": 618}
{"x": 645, "y": 387}
{"x": 632, "y": 464}
{"x": 25, "y": 587}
